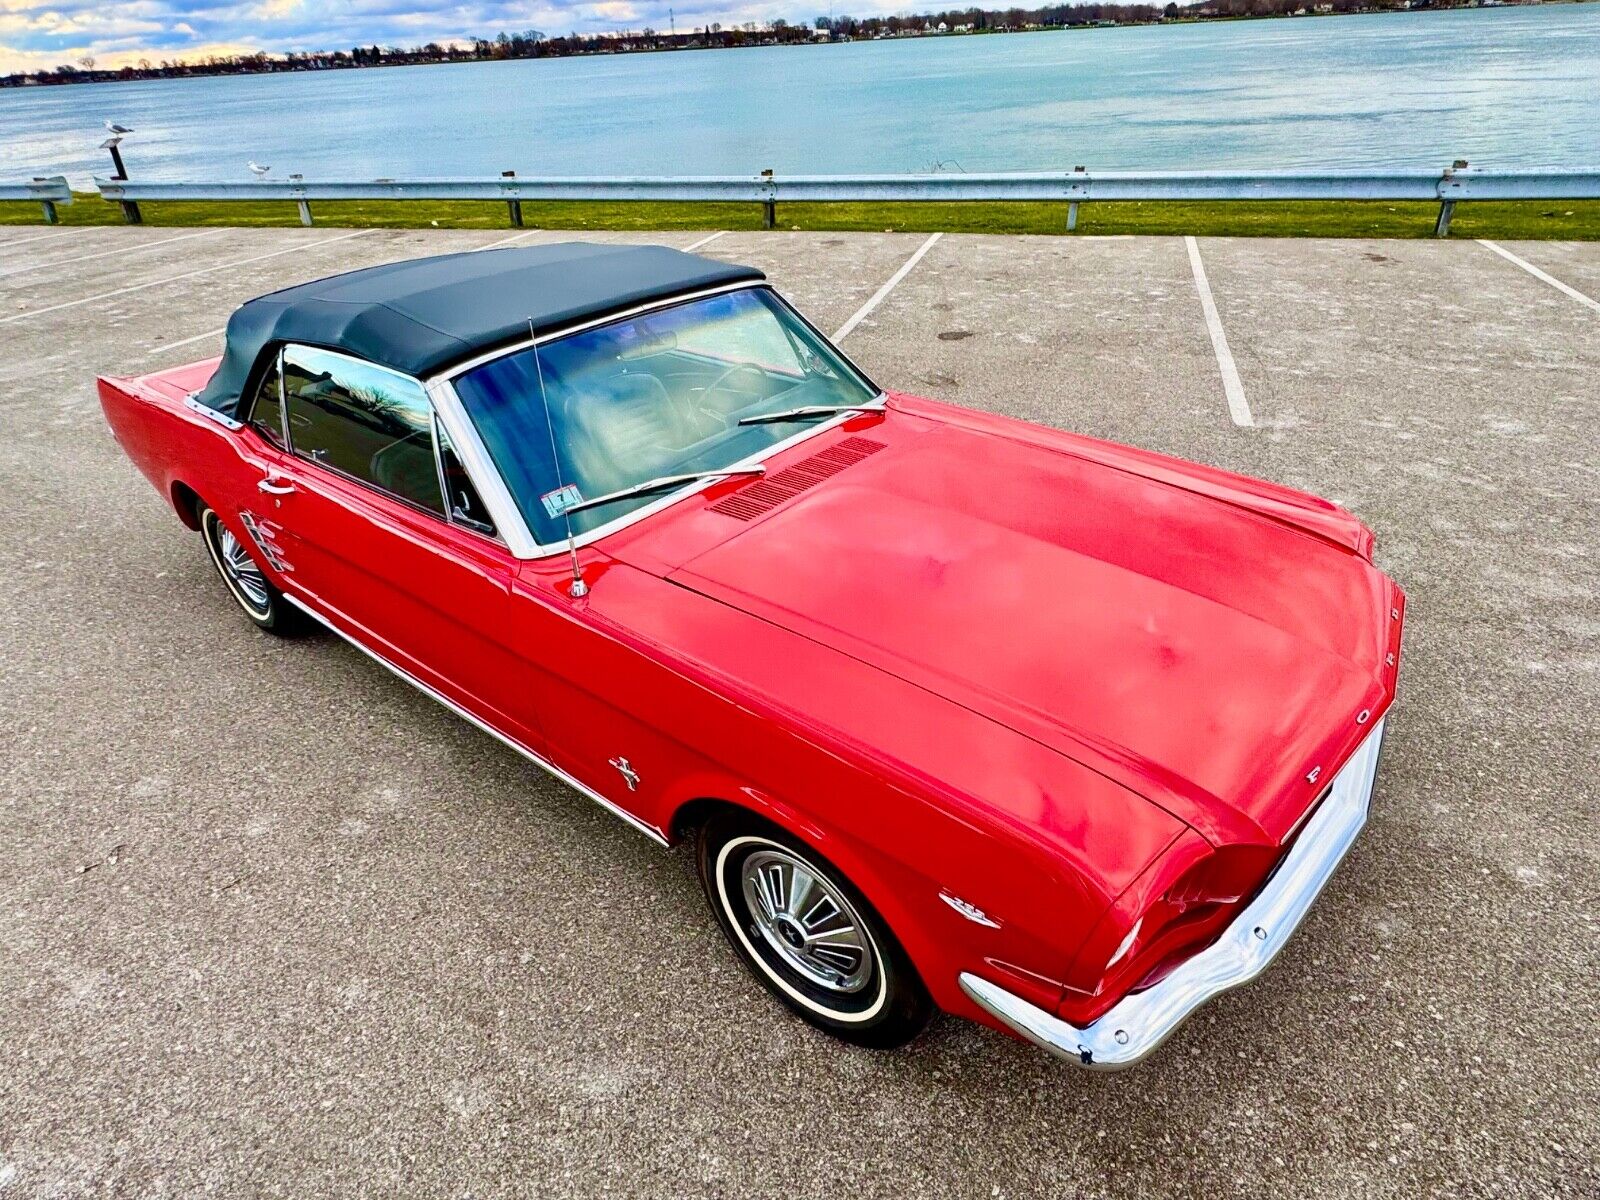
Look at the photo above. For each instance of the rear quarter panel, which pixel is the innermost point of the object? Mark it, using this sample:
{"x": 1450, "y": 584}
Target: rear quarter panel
{"x": 167, "y": 441}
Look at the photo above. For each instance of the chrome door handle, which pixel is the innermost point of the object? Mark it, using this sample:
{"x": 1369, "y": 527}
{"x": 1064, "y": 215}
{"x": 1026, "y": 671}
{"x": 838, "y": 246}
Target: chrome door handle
{"x": 273, "y": 488}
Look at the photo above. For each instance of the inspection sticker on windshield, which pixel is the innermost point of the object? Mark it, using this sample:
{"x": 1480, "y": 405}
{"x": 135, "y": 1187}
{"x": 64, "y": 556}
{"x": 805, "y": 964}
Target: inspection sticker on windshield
{"x": 563, "y": 498}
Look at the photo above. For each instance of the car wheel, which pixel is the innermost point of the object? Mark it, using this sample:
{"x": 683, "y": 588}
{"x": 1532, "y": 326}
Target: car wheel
{"x": 246, "y": 581}
{"x": 808, "y": 934}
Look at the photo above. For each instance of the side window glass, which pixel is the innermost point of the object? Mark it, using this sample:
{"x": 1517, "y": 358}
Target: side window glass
{"x": 266, "y": 413}
{"x": 371, "y": 424}
{"x": 461, "y": 498}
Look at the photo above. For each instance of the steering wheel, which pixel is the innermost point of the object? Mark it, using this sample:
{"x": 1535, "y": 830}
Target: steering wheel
{"x": 720, "y": 384}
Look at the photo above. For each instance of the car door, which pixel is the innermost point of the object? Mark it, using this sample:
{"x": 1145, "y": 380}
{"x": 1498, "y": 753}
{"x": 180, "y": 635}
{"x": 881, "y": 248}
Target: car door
{"x": 372, "y": 547}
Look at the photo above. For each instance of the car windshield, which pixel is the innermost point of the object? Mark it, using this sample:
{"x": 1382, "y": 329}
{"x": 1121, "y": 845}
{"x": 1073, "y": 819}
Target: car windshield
{"x": 663, "y": 393}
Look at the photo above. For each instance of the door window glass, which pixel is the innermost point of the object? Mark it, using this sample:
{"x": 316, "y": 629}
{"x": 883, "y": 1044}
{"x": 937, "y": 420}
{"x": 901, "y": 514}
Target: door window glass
{"x": 367, "y": 422}
{"x": 266, "y": 414}
{"x": 466, "y": 506}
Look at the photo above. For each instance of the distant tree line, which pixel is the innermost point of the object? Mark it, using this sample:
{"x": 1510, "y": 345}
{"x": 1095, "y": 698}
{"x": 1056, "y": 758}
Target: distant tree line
{"x": 532, "y": 43}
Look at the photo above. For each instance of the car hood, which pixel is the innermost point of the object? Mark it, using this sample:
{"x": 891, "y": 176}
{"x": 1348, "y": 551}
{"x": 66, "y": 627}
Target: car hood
{"x": 1176, "y": 631}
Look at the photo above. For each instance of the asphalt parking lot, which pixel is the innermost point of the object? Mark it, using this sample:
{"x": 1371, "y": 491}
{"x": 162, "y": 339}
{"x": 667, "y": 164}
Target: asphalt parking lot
{"x": 275, "y": 924}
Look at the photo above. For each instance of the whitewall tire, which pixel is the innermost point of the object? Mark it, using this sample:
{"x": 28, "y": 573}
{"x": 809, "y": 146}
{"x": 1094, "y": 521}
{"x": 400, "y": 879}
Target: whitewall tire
{"x": 807, "y": 934}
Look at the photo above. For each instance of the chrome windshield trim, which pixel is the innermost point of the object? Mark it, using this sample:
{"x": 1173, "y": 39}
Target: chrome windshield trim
{"x": 1141, "y": 1021}
{"x": 557, "y": 334}
{"x": 480, "y": 468}
{"x": 650, "y": 831}
{"x": 491, "y": 486}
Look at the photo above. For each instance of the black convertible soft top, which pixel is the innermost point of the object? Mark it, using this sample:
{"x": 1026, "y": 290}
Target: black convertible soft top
{"x": 425, "y": 314}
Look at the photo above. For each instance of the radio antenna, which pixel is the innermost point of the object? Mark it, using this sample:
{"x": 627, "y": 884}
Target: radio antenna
{"x": 578, "y": 589}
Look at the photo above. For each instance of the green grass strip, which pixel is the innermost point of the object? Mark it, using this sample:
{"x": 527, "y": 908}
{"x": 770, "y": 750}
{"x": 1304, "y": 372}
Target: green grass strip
{"x": 1573, "y": 220}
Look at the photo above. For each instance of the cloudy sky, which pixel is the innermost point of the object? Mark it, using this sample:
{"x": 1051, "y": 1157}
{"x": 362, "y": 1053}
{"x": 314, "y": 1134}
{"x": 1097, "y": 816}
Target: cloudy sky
{"x": 43, "y": 34}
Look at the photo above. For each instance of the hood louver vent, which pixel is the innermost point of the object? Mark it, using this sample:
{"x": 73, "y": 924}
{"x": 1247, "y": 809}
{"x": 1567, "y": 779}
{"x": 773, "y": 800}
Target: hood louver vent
{"x": 772, "y": 490}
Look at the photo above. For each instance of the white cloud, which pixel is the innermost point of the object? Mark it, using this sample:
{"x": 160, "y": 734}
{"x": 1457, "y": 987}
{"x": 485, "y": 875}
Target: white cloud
{"x": 42, "y": 34}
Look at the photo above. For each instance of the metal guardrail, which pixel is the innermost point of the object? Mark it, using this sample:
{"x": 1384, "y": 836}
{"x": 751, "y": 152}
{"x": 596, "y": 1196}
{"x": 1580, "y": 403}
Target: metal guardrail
{"x": 46, "y": 191}
{"x": 1073, "y": 188}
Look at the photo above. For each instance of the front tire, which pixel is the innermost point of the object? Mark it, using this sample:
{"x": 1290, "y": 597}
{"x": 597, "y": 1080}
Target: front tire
{"x": 246, "y": 582}
{"x": 808, "y": 935}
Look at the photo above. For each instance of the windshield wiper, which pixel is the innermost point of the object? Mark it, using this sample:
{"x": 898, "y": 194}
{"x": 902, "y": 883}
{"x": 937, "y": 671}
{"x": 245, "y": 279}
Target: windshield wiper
{"x": 661, "y": 484}
{"x": 809, "y": 410}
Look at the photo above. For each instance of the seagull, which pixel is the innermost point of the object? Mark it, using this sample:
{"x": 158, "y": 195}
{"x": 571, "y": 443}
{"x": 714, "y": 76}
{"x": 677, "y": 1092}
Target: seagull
{"x": 258, "y": 169}
{"x": 119, "y": 130}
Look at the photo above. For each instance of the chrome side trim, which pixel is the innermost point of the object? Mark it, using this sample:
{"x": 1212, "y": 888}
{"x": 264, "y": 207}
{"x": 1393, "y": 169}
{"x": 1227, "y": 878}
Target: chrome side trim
{"x": 970, "y": 911}
{"x": 649, "y": 831}
{"x": 1140, "y": 1022}
{"x": 222, "y": 419}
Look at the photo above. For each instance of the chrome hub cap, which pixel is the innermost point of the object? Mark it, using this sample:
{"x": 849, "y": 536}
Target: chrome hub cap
{"x": 808, "y": 923}
{"x": 239, "y": 570}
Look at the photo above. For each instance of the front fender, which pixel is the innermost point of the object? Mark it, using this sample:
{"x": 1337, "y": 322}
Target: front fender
{"x": 939, "y": 939}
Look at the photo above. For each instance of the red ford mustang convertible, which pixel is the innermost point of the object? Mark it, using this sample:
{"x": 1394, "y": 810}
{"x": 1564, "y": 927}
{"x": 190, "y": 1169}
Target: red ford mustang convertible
{"x": 961, "y": 712}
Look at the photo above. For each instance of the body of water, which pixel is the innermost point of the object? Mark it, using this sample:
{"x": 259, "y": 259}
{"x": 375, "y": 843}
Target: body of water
{"x": 1508, "y": 87}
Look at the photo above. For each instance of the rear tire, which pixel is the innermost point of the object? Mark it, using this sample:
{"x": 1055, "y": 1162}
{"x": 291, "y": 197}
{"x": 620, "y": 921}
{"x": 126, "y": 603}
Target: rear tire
{"x": 808, "y": 934}
{"x": 237, "y": 562}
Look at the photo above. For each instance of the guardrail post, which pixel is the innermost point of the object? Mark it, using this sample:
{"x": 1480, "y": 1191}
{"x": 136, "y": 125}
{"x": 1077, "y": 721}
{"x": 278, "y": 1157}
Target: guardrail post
{"x": 769, "y": 206}
{"x": 1447, "y": 206}
{"x": 300, "y": 199}
{"x": 1072, "y": 205}
{"x": 1441, "y": 227}
{"x": 514, "y": 207}
{"x": 49, "y": 207}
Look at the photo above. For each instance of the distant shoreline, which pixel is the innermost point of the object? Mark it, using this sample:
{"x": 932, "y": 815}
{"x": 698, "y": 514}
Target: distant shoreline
{"x": 956, "y": 23}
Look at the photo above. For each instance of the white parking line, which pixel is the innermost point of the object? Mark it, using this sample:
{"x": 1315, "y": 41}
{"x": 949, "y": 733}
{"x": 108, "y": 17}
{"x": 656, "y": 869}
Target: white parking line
{"x": 705, "y": 241}
{"x": 199, "y": 337}
{"x": 515, "y": 237}
{"x": 1538, "y": 274}
{"x": 1232, "y": 388}
{"x": 879, "y": 295}
{"x": 45, "y": 237}
{"x": 139, "y": 287}
{"x": 61, "y": 262}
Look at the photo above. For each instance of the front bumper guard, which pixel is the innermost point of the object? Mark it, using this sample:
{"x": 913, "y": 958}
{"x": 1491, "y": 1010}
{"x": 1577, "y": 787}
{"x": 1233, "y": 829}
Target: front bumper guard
{"x": 1133, "y": 1028}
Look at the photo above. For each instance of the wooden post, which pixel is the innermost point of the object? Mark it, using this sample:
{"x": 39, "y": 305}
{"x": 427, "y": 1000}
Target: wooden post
{"x": 769, "y": 207}
{"x": 513, "y": 206}
{"x": 130, "y": 208}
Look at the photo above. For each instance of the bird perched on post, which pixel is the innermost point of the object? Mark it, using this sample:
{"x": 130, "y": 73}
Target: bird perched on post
{"x": 257, "y": 169}
{"x": 113, "y": 128}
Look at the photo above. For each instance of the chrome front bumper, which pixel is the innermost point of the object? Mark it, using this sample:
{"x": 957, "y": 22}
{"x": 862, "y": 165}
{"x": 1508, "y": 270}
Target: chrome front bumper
{"x": 1141, "y": 1021}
